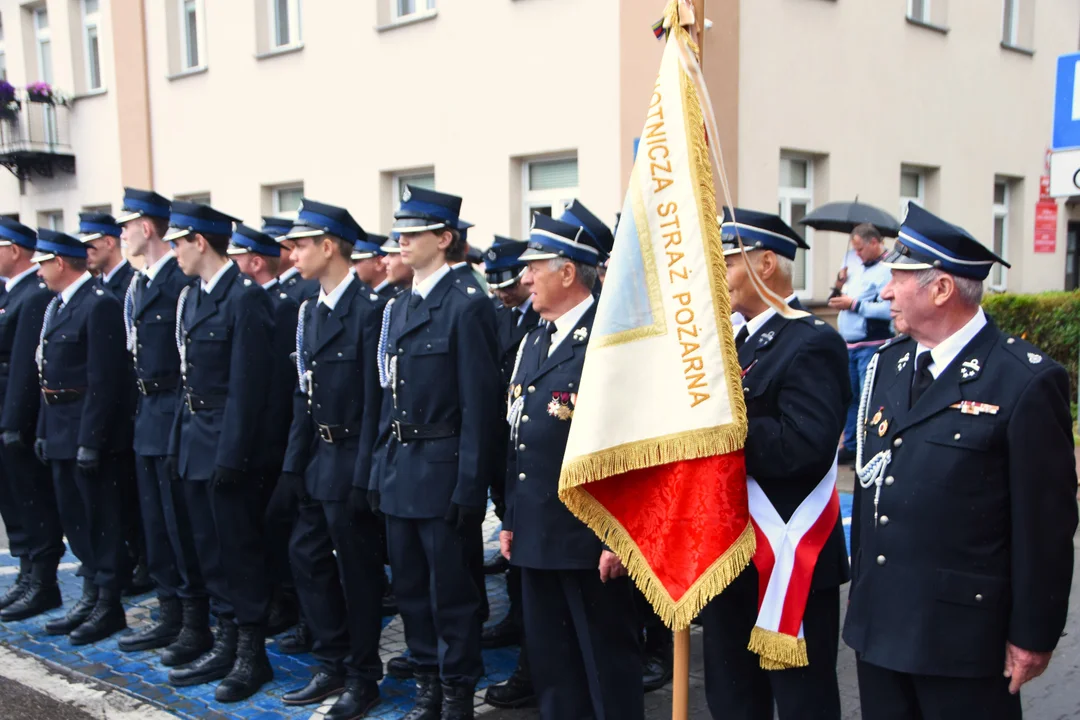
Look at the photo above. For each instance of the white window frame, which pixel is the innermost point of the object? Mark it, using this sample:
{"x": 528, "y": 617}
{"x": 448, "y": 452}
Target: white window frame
{"x": 199, "y": 198}
{"x": 395, "y": 9}
{"x": 1010, "y": 22}
{"x": 54, "y": 220}
{"x": 91, "y": 22}
{"x": 925, "y": 17}
{"x": 276, "y": 207}
{"x": 42, "y": 35}
{"x": 200, "y": 44}
{"x": 919, "y": 198}
{"x": 293, "y": 23}
{"x": 786, "y": 196}
{"x": 403, "y": 179}
{"x": 1001, "y": 211}
{"x": 3, "y": 54}
{"x": 555, "y": 199}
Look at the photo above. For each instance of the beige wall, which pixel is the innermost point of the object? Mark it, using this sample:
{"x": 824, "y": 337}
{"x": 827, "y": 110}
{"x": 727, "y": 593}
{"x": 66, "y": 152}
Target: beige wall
{"x": 854, "y": 82}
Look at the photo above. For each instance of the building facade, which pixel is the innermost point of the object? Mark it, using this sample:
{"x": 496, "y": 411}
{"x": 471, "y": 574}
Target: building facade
{"x": 521, "y": 105}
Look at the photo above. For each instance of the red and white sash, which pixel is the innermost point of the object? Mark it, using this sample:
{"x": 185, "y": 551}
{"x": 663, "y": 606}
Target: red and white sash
{"x": 785, "y": 559}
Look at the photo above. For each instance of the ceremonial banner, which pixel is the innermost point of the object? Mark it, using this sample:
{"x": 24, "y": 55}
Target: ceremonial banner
{"x": 654, "y": 462}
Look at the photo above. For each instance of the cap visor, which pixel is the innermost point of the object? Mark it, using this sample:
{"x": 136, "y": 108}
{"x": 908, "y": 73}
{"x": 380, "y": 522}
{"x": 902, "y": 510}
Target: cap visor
{"x": 362, "y": 256}
{"x": 302, "y": 231}
{"x": 176, "y": 234}
{"x": 90, "y": 237}
{"x": 42, "y": 257}
{"x": 533, "y": 254}
{"x": 392, "y": 250}
{"x": 128, "y": 218}
{"x": 237, "y": 250}
{"x": 5, "y": 243}
{"x": 503, "y": 284}
{"x": 896, "y": 260}
{"x": 417, "y": 225}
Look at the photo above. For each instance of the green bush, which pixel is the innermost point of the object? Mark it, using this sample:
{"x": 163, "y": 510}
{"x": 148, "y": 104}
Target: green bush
{"x": 1050, "y": 321}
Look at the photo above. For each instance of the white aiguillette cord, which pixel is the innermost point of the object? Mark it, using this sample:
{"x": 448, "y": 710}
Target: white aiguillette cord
{"x": 873, "y": 472}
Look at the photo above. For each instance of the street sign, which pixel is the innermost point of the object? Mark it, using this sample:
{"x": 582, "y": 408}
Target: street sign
{"x": 1065, "y": 173}
{"x": 1046, "y": 224}
{"x": 1067, "y": 103}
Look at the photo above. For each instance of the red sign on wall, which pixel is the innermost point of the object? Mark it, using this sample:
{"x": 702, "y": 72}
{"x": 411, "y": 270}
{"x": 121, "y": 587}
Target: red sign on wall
{"x": 1046, "y": 222}
{"x": 1044, "y": 188}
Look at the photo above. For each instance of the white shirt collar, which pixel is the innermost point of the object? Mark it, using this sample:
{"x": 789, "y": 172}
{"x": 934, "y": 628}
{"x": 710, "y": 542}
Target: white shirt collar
{"x": 758, "y": 321}
{"x": 270, "y": 283}
{"x": 950, "y": 347}
{"x": 25, "y": 273}
{"x": 381, "y": 285}
{"x": 424, "y": 288}
{"x": 331, "y": 300}
{"x": 463, "y": 263}
{"x": 568, "y": 322}
{"x": 69, "y": 292}
{"x": 523, "y": 308}
{"x": 289, "y": 273}
{"x": 208, "y": 287}
{"x": 112, "y": 273}
{"x": 153, "y": 270}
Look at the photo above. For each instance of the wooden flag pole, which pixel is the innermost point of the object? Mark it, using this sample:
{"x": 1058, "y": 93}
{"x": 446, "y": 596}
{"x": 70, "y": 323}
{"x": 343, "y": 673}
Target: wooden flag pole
{"x": 680, "y": 683}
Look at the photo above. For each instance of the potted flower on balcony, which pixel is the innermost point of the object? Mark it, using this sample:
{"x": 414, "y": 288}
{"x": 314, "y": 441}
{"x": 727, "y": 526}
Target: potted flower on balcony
{"x": 40, "y": 92}
{"x": 9, "y": 106}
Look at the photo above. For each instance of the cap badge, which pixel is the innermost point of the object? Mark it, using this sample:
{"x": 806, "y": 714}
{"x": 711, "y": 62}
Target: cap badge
{"x": 492, "y": 255}
{"x": 407, "y": 195}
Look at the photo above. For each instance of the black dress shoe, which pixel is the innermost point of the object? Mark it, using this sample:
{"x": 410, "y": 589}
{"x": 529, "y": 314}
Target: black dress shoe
{"x": 106, "y": 620}
{"x": 140, "y": 582}
{"x": 78, "y": 614}
{"x": 213, "y": 665}
{"x": 283, "y": 614}
{"x": 296, "y": 642}
{"x": 359, "y": 697}
{"x": 429, "y": 698}
{"x": 656, "y": 672}
{"x": 22, "y": 583}
{"x": 501, "y": 634}
{"x": 400, "y": 667}
{"x": 497, "y": 565}
{"x": 457, "y": 703}
{"x": 321, "y": 686}
{"x": 39, "y": 598}
{"x": 195, "y": 638}
{"x": 516, "y": 692}
{"x": 158, "y": 634}
{"x": 251, "y": 670}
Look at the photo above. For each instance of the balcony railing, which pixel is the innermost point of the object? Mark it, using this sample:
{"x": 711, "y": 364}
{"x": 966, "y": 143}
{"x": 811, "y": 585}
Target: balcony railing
{"x": 35, "y": 139}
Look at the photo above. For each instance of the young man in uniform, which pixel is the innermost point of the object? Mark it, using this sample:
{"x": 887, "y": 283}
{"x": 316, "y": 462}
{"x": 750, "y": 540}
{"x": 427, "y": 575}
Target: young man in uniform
{"x": 292, "y": 283}
{"x": 367, "y": 261}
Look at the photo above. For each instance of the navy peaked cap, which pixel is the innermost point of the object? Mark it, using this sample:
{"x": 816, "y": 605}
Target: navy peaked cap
{"x": 94, "y": 225}
{"x": 423, "y": 210}
{"x": 51, "y": 243}
{"x": 188, "y": 217}
{"x": 926, "y": 241}
{"x": 550, "y": 238}
{"x": 13, "y": 232}
{"x": 249, "y": 240}
{"x": 316, "y": 218}
{"x": 578, "y": 214}
{"x": 759, "y": 231}
{"x": 138, "y": 203}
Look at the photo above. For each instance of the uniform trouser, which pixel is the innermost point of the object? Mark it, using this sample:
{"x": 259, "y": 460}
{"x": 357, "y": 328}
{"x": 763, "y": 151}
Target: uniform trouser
{"x": 279, "y": 520}
{"x": 227, "y": 523}
{"x": 162, "y": 561}
{"x": 32, "y": 487}
{"x": 890, "y": 695}
{"x": 176, "y": 513}
{"x": 736, "y": 686}
{"x": 474, "y": 539}
{"x": 584, "y": 654}
{"x": 657, "y": 635}
{"x": 341, "y": 597}
{"x": 15, "y": 519}
{"x": 437, "y": 596}
{"x": 128, "y": 481}
{"x": 91, "y": 510}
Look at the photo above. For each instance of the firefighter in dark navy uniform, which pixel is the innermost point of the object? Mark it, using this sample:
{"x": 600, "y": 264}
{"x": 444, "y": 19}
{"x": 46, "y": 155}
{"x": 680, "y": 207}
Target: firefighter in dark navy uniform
{"x": 367, "y": 260}
{"x": 440, "y": 366}
{"x": 224, "y": 336}
{"x": 962, "y": 535}
{"x": 292, "y": 283}
{"x": 337, "y": 549}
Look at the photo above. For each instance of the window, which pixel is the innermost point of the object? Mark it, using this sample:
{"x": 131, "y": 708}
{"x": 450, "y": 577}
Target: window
{"x": 796, "y": 200}
{"x": 912, "y": 189}
{"x": 549, "y": 186}
{"x": 919, "y": 11}
{"x": 43, "y": 42}
{"x": 998, "y": 273}
{"x": 406, "y": 8}
{"x": 90, "y": 44}
{"x": 202, "y": 198}
{"x": 285, "y": 200}
{"x": 1010, "y": 23}
{"x": 425, "y": 180}
{"x": 284, "y": 23}
{"x": 3, "y": 56}
{"x": 107, "y": 209}
{"x": 192, "y": 54}
{"x": 51, "y": 219}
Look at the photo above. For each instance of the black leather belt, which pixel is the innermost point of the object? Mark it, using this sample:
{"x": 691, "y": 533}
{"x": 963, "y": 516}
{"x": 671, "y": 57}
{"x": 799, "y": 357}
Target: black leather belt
{"x": 196, "y": 403}
{"x": 60, "y": 397}
{"x": 156, "y": 385}
{"x": 335, "y": 433}
{"x": 433, "y": 431}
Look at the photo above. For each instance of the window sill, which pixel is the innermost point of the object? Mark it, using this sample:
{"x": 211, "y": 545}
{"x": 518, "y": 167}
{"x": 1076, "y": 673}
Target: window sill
{"x": 187, "y": 73}
{"x": 91, "y": 93}
{"x": 418, "y": 17}
{"x": 1017, "y": 49}
{"x": 928, "y": 26}
{"x": 278, "y": 51}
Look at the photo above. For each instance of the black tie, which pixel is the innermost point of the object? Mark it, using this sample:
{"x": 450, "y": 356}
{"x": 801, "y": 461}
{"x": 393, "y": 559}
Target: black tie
{"x": 516, "y": 313}
{"x": 744, "y": 332}
{"x": 323, "y": 313}
{"x": 923, "y": 377}
{"x": 545, "y": 341}
{"x": 414, "y": 301}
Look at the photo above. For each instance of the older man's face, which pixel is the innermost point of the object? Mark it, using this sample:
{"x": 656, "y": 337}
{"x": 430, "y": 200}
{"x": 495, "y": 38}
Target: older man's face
{"x": 912, "y": 306}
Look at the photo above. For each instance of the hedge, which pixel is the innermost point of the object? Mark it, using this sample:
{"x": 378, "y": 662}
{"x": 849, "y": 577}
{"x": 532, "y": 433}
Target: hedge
{"x": 1050, "y": 321}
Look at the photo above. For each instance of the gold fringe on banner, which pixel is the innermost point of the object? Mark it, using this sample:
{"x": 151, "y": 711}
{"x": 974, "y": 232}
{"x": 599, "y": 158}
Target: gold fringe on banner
{"x": 778, "y": 651}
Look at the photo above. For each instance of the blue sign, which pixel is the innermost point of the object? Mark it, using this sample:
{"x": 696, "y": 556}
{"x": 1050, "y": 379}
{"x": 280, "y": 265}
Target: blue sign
{"x": 1067, "y": 103}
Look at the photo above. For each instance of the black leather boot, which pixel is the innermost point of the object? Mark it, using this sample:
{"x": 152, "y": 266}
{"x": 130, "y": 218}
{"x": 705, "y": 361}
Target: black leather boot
{"x": 283, "y": 613}
{"x": 298, "y": 641}
{"x": 158, "y": 634}
{"x": 105, "y": 620}
{"x": 502, "y": 634}
{"x": 78, "y": 614}
{"x": 140, "y": 582}
{"x": 457, "y": 703}
{"x": 359, "y": 697}
{"x": 194, "y": 638}
{"x": 516, "y": 692}
{"x": 400, "y": 667}
{"x": 22, "y": 582}
{"x": 429, "y": 698}
{"x": 40, "y": 597}
{"x": 658, "y": 663}
{"x": 250, "y": 671}
{"x": 321, "y": 686}
{"x": 213, "y": 665}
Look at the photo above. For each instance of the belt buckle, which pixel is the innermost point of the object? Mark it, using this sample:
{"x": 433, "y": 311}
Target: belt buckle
{"x": 396, "y": 425}
{"x": 324, "y": 433}
{"x": 142, "y": 386}
{"x": 190, "y": 407}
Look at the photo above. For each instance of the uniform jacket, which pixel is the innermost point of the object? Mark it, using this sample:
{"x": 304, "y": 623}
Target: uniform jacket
{"x": 227, "y": 339}
{"x": 119, "y": 283}
{"x": 447, "y": 373}
{"x": 118, "y": 287}
{"x": 546, "y": 535}
{"x": 157, "y": 362}
{"x": 84, "y": 350}
{"x": 21, "y": 313}
{"x": 388, "y": 291}
{"x": 974, "y": 541}
{"x": 299, "y": 289}
{"x": 345, "y": 396}
{"x": 510, "y": 335}
{"x": 797, "y": 391}
{"x": 280, "y": 392}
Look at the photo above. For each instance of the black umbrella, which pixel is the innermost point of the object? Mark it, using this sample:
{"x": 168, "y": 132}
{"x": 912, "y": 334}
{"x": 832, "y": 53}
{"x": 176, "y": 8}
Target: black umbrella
{"x": 845, "y": 216}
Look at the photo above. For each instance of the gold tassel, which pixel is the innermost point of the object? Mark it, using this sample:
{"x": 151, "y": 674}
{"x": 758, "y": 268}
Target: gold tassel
{"x": 778, "y": 651}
